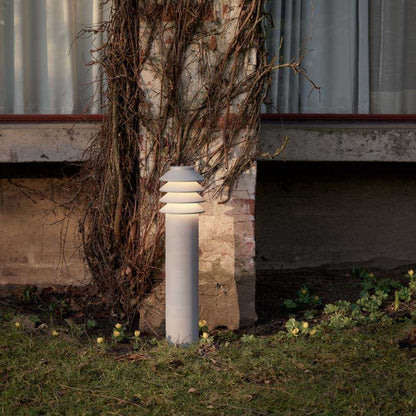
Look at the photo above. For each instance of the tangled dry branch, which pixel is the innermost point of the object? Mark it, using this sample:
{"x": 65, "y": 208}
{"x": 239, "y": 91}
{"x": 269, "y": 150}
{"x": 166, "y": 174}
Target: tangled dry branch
{"x": 185, "y": 80}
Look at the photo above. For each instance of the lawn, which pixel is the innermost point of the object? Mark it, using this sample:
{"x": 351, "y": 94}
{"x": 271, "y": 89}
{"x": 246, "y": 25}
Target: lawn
{"x": 355, "y": 371}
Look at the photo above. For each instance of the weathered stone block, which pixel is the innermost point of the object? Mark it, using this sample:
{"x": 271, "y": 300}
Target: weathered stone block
{"x": 38, "y": 243}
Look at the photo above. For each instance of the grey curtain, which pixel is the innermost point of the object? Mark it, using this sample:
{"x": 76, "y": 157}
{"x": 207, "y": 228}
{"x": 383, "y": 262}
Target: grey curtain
{"x": 42, "y": 67}
{"x": 393, "y": 56}
{"x": 361, "y": 53}
{"x": 335, "y": 36}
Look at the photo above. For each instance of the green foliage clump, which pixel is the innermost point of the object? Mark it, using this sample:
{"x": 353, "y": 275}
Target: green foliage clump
{"x": 295, "y": 328}
{"x": 304, "y": 299}
{"x": 378, "y": 297}
{"x": 370, "y": 283}
{"x": 246, "y": 338}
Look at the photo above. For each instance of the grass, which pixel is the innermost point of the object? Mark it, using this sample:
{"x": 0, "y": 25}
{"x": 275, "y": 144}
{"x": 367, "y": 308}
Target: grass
{"x": 360, "y": 371}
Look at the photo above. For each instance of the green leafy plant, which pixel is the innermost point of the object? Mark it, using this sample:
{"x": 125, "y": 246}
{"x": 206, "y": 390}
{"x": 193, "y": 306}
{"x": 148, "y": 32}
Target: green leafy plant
{"x": 292, "y": 327}
{"x": 246, "y": 338}
{"x": 296, "y": 328}
{"x": 360, "y": 273}
{"x": 412, "y": 281}
{"x": 372, "y": 306}
{"x": 203, "y": 326}
{"x": 118, "y": 332}
{"x": 304, "y": 299}
{"x": 206, "y": 338}
{"x": 370, "y": 283}
{"x": 340, "y": 321}
{"x": 404, "y": 294}
{"x": 91, "y": 324}
{"x": 309, "y": 314}
{"x": 30, "y": 295}
{"x": 137, "y": 340}
{"x": 226, "y": 336}
{"x": 341, "y": 306}
{"x": 289, "y": 304}
{"x": 372, "y": 303}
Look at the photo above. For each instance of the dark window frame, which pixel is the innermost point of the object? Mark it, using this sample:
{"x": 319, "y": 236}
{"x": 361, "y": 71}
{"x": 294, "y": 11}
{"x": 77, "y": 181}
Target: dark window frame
{"x": 65, "y": 118}
{"x": 50, "y": 118}
{"x": 300, "y": 117}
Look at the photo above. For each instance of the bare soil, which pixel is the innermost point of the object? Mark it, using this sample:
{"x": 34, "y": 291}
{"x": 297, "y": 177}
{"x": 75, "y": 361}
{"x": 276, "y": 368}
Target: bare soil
{"x": 81, "y": 304}
{"x": 275, "y": 286}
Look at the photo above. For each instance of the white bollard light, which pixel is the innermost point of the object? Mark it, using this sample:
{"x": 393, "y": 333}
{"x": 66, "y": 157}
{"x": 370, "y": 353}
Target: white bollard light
{"x": 182, "y": 252}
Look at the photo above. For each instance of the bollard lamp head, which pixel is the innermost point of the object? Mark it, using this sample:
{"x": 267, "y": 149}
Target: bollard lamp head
{"x": 182, "y": 191}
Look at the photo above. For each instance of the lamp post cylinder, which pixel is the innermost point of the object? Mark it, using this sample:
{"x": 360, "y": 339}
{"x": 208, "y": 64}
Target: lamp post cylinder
{"x": 182, "y": 251}
{"x": 182, "y": 278}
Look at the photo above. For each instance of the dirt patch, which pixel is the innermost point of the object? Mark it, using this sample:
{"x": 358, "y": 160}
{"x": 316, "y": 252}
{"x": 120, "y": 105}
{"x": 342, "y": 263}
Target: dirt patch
{"x": 83, "y": 304}
{"x": 79, "y": 305}
{"x": 275, "y": 286}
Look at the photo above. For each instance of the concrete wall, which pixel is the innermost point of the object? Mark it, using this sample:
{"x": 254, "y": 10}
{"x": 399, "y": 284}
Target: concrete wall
{"x": 338, "y": 196}
{"x": 335, "y": 215}
{"x": 46, "y": 142}
{"x": 348, "y": 209}
{"x": 38, "y": 243}
{"x": 337, "y": 142}
{"x": 33, "y": 226}
{"x": 227, "y": 230}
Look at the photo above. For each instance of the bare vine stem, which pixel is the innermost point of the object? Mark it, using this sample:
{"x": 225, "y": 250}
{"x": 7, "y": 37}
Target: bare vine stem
{"x": 185, "y": 80}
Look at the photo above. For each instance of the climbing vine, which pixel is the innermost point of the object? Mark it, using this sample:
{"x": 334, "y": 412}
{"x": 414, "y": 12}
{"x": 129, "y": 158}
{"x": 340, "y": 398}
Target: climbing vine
{"x": 184, "y": 82}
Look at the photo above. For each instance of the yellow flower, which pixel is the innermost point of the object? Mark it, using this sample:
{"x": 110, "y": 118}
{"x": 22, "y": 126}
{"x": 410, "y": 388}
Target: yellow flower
{"x": 305, "y": 325}
{"x": 100, "y": 340}
{"x": 205, "y": 335}
{"x": 312, "y": 332}
{"x": 316, "y": 297}
{"x": 136, "y": 333}
{"x": 116, "y": 333}
{"x": 304, "y": 291}
{"x": 371, "y": 275}
{"x": 17, "y": 324}
{"x": 295, "y": 331}
{"x": 411, "y": 272}
{"x": 202, "y": 323}
{"x": 119, "y": 326}
{"x": 55, "y": 333}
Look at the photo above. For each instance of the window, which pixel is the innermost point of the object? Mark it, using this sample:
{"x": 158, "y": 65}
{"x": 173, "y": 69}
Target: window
{"x": 42, "y": 65}
{"x": 362, "y": 53}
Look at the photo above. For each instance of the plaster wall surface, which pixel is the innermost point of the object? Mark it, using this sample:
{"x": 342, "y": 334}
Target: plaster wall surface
{"x": 341, "y": 215}
{"x": 345, "y": 196}
{"x": 307, "y": 214}
{"x": 46, "y": 142}
{"x": 38, "y": 243}
{"x": 33, "y": 228}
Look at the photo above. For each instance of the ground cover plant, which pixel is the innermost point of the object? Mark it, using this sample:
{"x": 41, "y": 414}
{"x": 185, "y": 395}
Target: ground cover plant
{"x": 382, "y": 301}
{"x": 340, "y": 358}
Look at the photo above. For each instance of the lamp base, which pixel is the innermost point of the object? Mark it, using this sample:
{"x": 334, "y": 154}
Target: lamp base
{"x": 182, "y": 253}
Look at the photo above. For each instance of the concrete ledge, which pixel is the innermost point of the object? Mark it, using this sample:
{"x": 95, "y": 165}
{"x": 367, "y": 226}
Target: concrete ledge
{"x": 341, "y": 143}
{"x": 55, "y": 142}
